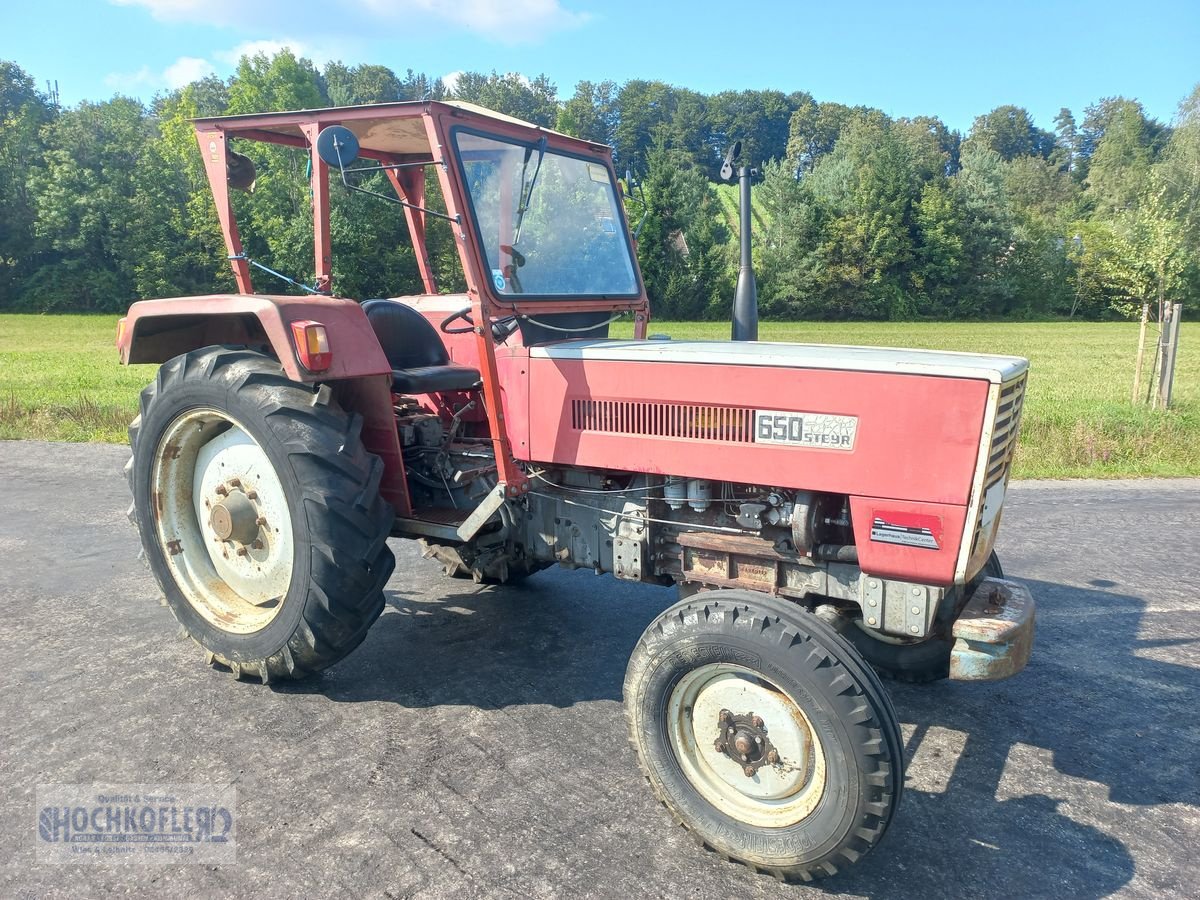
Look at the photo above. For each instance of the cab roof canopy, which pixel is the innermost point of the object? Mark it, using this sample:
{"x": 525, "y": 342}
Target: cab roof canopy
{"x": 383, "y": 129}
{"x": 405, "y": 138}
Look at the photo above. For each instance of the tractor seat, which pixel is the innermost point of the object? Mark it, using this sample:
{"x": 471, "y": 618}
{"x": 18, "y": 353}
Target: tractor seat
{"x": 420, "y": 363}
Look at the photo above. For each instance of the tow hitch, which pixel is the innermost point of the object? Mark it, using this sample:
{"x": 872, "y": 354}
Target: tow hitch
{"x": 994, "y": 633}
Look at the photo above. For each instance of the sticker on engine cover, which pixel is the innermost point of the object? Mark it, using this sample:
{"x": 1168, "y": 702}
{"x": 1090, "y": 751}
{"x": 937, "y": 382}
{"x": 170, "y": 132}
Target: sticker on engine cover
{"x": 804, "y": 429}
{"x": 907, "y": 529}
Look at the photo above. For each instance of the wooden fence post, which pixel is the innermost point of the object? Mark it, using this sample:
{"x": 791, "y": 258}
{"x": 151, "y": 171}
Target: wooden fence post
{"x": 1170, "y": 349}
{"x": 1141, "y": 353}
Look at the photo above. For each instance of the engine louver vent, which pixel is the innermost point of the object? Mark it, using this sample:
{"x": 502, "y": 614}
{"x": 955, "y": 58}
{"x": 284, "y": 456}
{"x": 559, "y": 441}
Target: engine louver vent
{"x": 675, "y": 420}
{"x": 1004, "y": 433}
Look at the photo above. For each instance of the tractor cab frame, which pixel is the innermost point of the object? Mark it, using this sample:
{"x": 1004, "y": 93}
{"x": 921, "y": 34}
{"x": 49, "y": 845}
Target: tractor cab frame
{"x": 408, "y": 141}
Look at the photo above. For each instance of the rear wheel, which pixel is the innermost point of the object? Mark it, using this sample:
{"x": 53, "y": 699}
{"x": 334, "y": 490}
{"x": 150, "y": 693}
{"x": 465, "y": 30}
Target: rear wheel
{"x": 259, "y": 513}
{"x": 925, "y": 661}
{"x": 764, "y": 733}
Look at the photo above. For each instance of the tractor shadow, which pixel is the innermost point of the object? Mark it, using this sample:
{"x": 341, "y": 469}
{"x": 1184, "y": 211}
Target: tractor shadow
{"x": 560, "y": 638}
{"x": 1004, "y": 773}
{"x": 1097, "y": 703}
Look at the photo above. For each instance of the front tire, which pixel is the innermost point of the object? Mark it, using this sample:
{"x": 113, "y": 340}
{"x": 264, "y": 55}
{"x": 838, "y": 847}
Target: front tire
{"x": 764, "y": 733}
{"x": 259, "y": 513}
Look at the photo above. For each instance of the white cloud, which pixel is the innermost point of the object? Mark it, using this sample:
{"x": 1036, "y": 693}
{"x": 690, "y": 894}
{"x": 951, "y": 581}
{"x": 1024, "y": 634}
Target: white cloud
{"x": 132, "y": 81}
{"x": 502, "y": 21}
{"x": 185, "y": 70}
{"x": 267, "y": 46}
{"x": 319, "y": 53}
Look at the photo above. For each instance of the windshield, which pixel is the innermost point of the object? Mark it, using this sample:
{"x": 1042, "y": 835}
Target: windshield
{"x": 548, "y": 223}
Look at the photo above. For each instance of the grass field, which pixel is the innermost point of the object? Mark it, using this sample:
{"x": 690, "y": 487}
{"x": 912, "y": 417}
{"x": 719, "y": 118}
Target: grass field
{"x": 60, "y": 380}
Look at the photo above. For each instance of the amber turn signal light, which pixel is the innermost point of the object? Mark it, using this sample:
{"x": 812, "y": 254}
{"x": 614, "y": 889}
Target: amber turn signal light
{"x": 312, "y": 345}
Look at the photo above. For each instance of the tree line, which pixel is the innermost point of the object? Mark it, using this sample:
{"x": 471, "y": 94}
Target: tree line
{"x": 857, "y": 214}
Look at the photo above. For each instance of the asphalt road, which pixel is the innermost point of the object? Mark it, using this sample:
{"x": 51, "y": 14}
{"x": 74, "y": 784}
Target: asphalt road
{"x": 474, "y": 745}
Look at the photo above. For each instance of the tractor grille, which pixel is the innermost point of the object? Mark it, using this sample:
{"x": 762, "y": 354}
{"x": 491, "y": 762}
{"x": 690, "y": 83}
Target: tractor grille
{"x": 1004, "y": 442}
{"x": 1004, "y": 433}
{"x": 674, "y": 420}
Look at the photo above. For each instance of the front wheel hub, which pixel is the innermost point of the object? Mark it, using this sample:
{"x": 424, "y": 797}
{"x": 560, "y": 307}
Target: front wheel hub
{"x": 744, "y": 740}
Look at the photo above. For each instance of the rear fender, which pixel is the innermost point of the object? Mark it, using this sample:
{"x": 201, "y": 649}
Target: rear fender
{"x": 157, "y": 330}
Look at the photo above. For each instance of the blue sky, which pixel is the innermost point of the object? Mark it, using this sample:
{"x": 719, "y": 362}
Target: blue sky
{"x": 951, "y": 59}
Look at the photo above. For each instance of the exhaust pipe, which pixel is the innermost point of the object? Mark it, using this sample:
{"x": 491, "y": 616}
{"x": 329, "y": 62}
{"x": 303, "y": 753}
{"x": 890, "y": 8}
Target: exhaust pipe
{"x": 745, "y": 298}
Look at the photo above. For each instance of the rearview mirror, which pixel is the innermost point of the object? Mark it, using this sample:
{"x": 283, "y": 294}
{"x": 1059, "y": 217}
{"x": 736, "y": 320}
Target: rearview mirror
{"x": 337, "y": 146}
{"x": 727, "y": 166}
{"x": 240, "y": 172}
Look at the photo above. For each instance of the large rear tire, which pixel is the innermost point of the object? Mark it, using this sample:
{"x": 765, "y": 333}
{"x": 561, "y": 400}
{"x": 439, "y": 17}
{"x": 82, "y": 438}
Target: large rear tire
{"x": 259, "y": 513}
{"x": 764, "y": 733}
{"x": 919, "y": 662}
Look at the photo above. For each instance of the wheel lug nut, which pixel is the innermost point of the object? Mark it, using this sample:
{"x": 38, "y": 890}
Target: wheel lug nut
{"x": 222, "y": 490}
{"x": 261, "y": 521}
{"x": 773, "y": 757}
{"x": 757, "y": 721}
{"x": 749, "y": 770}
{"x": 251, "y": 495}
{"x": 719, "y": 745}
{"x": 257, "y": 545}
{"x": 236, "y": 482}
{"x": 242, "y": 551}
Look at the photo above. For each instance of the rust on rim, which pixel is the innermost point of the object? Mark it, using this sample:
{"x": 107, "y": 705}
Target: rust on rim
{"x": 746, "y": 745}
{"x": 223, "y": 520}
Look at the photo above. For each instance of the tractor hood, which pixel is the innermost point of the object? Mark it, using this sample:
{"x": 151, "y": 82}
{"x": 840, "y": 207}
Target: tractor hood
{"x": 910, "y": 436}
{"x": 985, "y": 367}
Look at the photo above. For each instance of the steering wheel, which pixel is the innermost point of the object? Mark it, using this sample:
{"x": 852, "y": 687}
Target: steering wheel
{"x": 465, "y": 315}
{"x": 501, "y": 328}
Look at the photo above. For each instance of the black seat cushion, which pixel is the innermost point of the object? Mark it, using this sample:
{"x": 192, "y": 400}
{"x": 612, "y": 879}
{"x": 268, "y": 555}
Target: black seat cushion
{"x": 420, "y": 363}
{"x": 428, "y": 379}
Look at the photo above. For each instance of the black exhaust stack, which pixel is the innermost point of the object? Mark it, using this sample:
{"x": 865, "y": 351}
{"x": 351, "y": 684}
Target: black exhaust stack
{"x": 745, "y": 299}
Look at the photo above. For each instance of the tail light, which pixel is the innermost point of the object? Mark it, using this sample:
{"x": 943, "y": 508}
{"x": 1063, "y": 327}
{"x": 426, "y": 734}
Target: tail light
{"x": 312, "y": 345}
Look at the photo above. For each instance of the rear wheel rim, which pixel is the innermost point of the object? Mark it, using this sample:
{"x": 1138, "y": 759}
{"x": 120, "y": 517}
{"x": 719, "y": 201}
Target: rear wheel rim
{"x": 222, "y": 521}
{"x": 776, "y": 795}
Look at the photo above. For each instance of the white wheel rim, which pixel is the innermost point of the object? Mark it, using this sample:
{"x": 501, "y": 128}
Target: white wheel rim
{"x": 236, "y": 581}
{"x": 775, "y": 796}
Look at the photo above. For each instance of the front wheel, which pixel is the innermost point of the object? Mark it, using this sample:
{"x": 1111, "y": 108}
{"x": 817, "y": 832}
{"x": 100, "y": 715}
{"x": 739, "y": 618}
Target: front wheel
{"x": 764, "y": 733}
{"x": 259, "y": 513}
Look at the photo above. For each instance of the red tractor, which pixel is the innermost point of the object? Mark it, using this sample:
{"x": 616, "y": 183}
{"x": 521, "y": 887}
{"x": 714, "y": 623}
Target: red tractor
{"x": 827, "y": 512}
